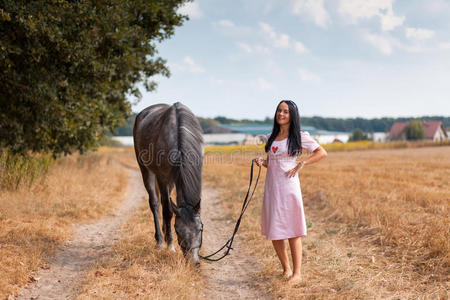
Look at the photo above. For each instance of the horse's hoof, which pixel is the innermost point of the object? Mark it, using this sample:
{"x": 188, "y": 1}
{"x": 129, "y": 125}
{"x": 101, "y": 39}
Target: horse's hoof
{"x": 159, "y": 245}
{"x": 171, "y": 247}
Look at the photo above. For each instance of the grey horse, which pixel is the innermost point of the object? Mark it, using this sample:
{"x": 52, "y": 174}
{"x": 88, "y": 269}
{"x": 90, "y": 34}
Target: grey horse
{"x": 169, "y": 149}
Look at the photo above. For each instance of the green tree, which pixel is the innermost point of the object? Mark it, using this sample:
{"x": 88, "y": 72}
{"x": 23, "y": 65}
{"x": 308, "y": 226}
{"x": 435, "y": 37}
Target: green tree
{"x": 358, "y": 135}
{"x": 67, "y": 67}
{"x": 206, "y": 123}
{"x": 127, "y": 128}
{"x": 415, "y": 130}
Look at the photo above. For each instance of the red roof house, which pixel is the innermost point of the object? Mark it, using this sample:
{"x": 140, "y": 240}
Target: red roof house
{"x": 398, "y": 131}
{"x": 434, "y": 130}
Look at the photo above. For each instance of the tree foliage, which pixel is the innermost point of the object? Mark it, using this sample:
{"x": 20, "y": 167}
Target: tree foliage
{"x": 358, "y": 135}
{"x": 206, "y": 123}
{"x": 415, "y": 130}
{"x": 67, "y": 67}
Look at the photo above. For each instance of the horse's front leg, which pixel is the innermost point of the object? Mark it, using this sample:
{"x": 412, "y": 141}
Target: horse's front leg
{"x": 167, "y": 215}
{"x": 150, "y": 185}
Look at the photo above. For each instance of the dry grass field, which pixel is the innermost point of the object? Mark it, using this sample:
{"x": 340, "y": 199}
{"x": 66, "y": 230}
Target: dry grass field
{"x": 378, "y": 222}
{"x": 36, "y": 217}
{"x": 377, "y": 226}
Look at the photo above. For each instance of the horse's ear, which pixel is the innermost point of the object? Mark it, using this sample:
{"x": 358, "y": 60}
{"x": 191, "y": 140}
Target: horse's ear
{"x": 174, "y": 207}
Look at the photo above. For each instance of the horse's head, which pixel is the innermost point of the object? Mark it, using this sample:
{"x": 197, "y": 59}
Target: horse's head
{"x": 189, "y": 229}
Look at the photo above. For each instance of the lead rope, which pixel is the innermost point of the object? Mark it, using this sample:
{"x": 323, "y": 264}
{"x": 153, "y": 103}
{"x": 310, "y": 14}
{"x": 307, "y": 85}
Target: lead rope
{"x": 247, "y": 200}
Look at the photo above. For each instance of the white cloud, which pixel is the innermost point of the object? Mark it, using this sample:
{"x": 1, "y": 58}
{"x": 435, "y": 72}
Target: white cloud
{"x": 261, "y": 49}
{"x": 299, "y": 47}
{"x": 389, "y": 21}
{"x": 188, "y": 65}
{"x": 314, "y": 9}
{"x": 308, "y": 76}
{"x": 192, "y": 9}
{"x": 382, "y": 43}
{"x": 366, "y": 9}
{"x": 277, "y": 40}
{"x": 281, "y": 40}
{"x": 247, "y": 48}
{"x": 227, "y": 27}
{"x": 387, "y": 44}
{"x": 253, "y": 49}
{"x": 264, "y": 84}
{"x": 192, "y": 66}
{"x": 419, "y": 33}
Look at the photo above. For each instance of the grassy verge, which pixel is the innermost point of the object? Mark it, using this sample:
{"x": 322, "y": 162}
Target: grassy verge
{"x": 18, "y": 170}
{"x": 37, "y": 215}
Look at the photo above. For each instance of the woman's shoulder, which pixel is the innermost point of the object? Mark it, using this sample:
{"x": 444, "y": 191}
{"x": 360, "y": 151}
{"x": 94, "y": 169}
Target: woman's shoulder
{"x": 304, "y": 133}
{"x": 307, "y": 141}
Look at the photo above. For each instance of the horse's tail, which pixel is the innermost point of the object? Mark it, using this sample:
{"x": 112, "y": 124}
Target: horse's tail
{"x": 189, "y": 155}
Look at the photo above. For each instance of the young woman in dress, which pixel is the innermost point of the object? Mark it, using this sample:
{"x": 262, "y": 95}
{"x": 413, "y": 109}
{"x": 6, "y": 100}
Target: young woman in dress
{"x": 282, "y": 215}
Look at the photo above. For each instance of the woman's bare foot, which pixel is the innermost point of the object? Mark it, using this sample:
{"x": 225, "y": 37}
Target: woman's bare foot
{"x": 296, "y": 278}
{"x": 287, "y": 274}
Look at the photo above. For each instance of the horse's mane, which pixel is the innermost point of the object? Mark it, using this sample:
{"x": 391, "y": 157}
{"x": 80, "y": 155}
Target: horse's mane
{"x": 190, "y": 150}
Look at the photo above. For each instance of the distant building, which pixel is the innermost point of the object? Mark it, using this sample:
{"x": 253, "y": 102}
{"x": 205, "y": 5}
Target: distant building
{"x": 329, "y": 138}
{"x": 434, "y": 130}
{"x": 254, "y": 140}
{"x": 378, "y": 136}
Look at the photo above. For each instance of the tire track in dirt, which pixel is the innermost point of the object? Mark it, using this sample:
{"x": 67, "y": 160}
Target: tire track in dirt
{"x": 234, "y": 277}
{"x": 90, "y": 242}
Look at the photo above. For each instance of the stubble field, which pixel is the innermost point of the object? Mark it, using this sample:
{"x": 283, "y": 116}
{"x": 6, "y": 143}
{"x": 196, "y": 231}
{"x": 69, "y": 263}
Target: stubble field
{"x": 377, "y": 226}
{"x": 378, "y": 221}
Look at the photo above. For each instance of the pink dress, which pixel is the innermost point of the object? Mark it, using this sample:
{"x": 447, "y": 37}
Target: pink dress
{"x": 282, "y": 211}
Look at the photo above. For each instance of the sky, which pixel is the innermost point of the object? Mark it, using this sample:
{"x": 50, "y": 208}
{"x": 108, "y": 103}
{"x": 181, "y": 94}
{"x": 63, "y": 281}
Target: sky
{"x": 334, "y": 58}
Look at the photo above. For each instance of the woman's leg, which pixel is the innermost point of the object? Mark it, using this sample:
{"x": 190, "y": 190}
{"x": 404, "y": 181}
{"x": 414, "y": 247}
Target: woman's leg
{"x": 281, "y": 249}
{"x": 296, "y": 250}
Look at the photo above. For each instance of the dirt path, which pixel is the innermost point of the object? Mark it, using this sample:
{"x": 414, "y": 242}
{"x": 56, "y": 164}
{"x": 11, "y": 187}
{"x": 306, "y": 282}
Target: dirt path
{"x": 234, "y": 277}
{"x": 90, "y": 242}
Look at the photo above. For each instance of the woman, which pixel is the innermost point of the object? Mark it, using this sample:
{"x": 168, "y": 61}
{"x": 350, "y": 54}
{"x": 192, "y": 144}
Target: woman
{"x": 282, "y": 212}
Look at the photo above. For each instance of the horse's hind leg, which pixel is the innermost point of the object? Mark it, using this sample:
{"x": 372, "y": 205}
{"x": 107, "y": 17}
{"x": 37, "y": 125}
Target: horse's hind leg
{"x": 150, "y": 185}
{"x": 165, "y": 190}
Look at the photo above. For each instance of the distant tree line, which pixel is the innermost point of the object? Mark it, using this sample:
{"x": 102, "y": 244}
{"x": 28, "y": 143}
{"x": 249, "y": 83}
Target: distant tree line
{"x": 225, "y": 120}
{"x": 342, "y": 124}
{"x": 366, "y": 125}
{"x": 330, "y": 124}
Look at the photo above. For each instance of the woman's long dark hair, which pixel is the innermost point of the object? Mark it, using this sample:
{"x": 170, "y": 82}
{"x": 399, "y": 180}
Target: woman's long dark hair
{"x": 295, "y": 138}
